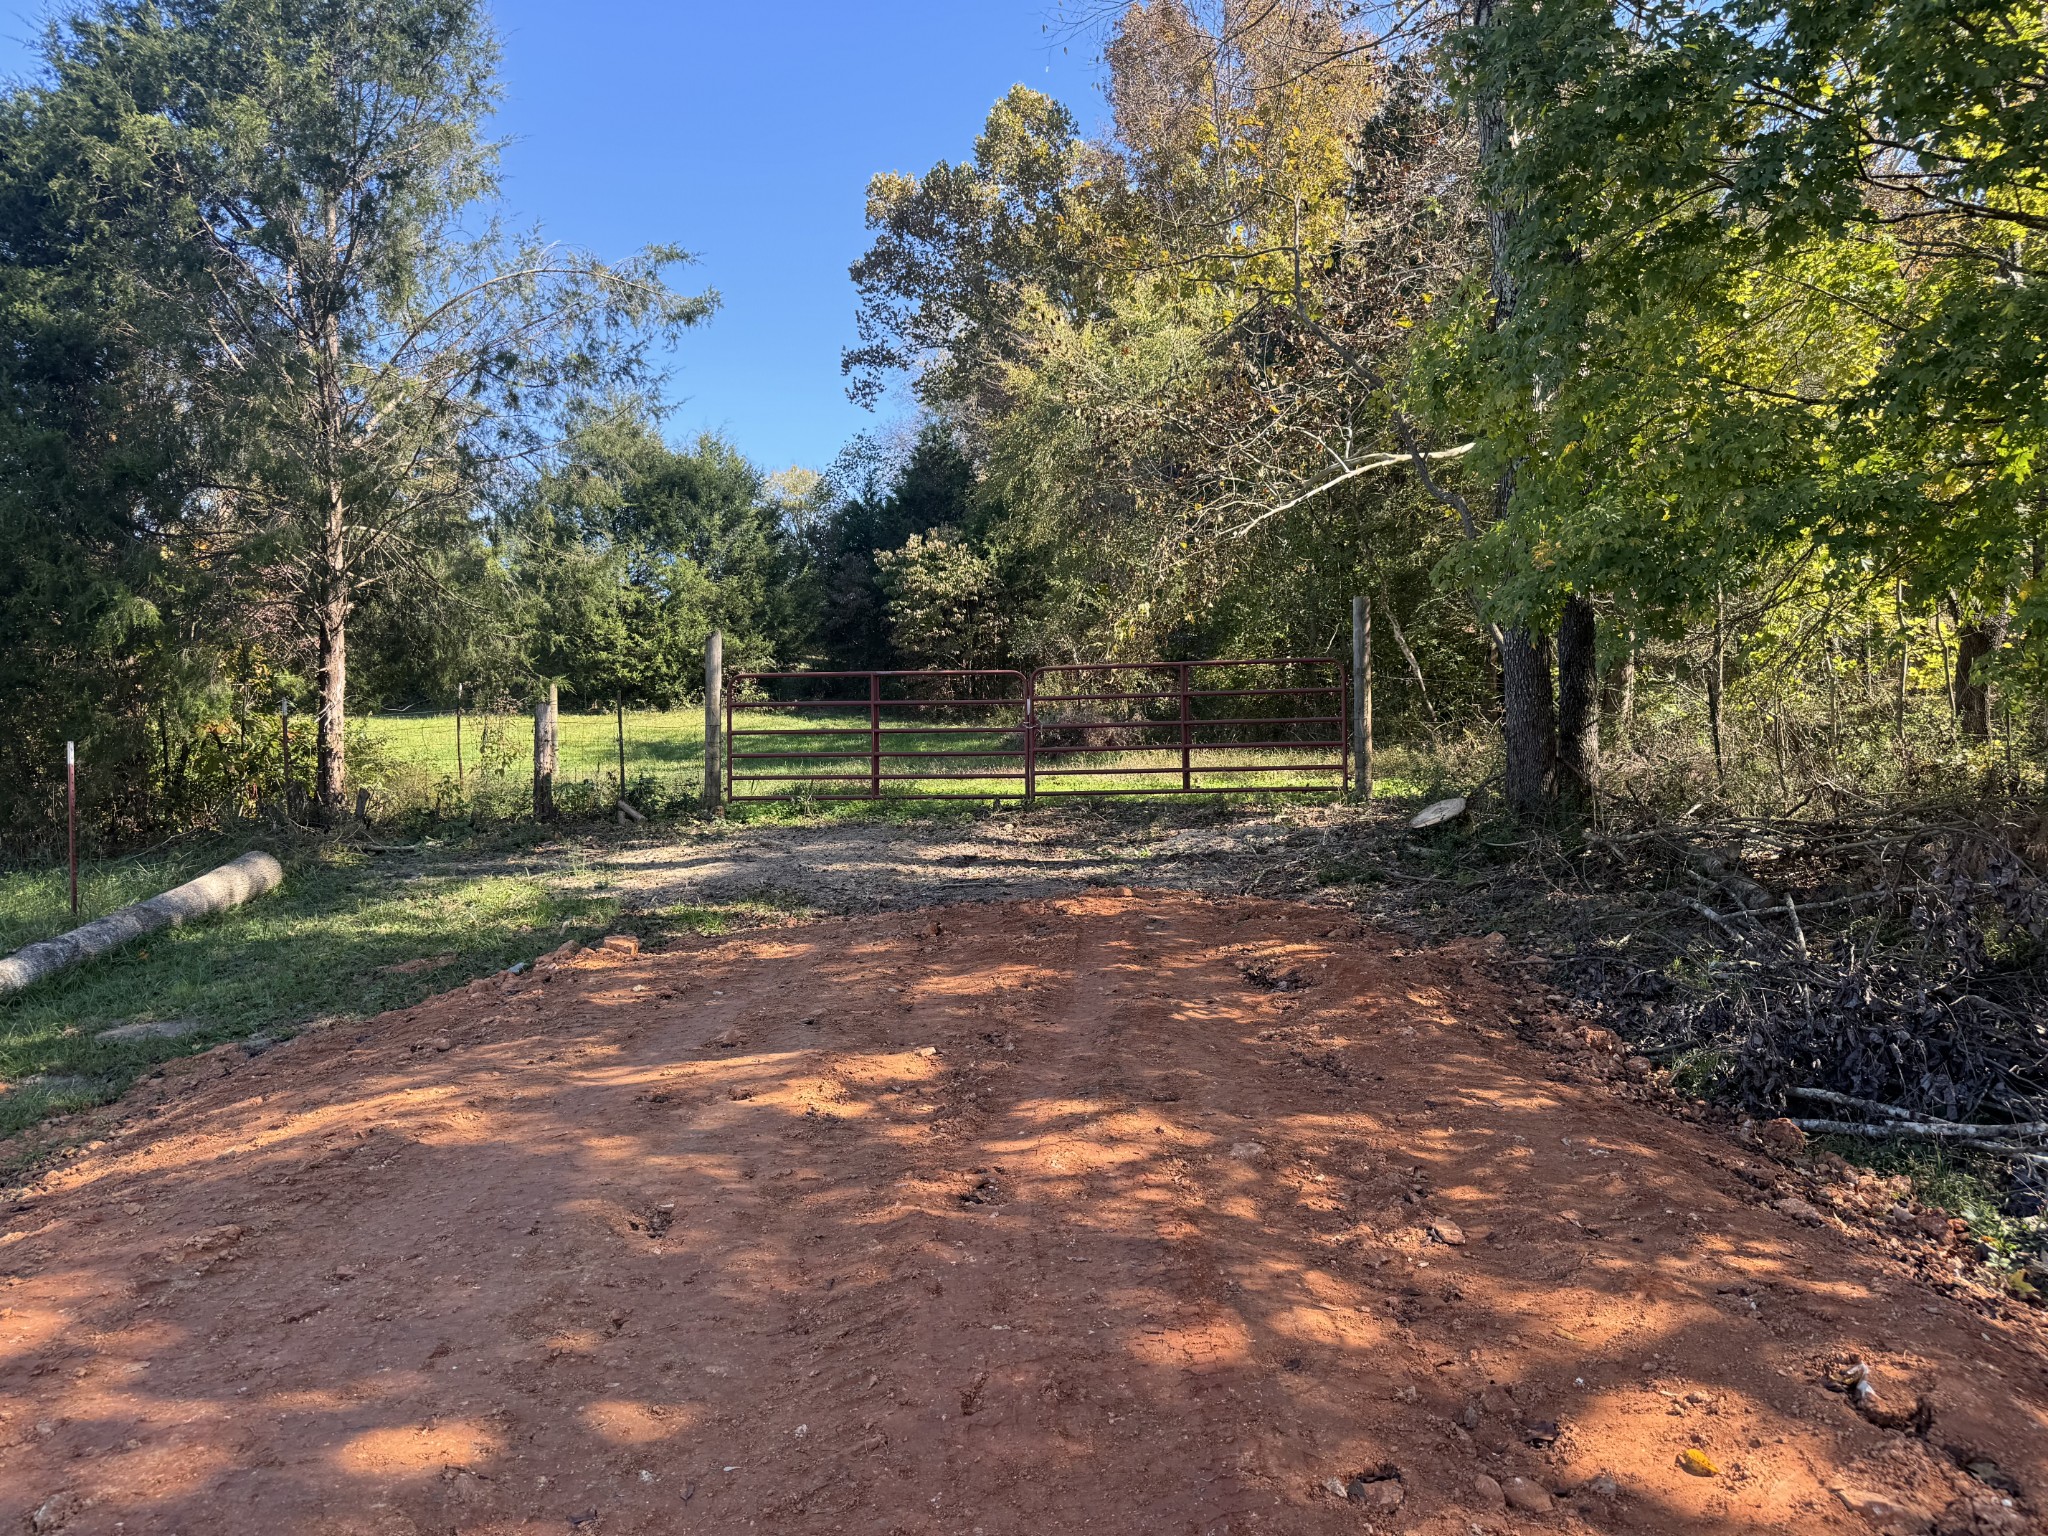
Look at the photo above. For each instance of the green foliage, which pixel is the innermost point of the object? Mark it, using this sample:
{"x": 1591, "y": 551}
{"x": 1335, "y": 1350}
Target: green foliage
{"x": 878, "y": 508}
{"x": 944, "y": 601}
{"x": 274, "y": 358}
{"x": 1776, "y": 257}
{"x": 628, "y": 553}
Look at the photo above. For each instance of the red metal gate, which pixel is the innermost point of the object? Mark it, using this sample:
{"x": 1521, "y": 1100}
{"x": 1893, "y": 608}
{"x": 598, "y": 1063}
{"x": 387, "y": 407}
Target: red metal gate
{"x": 1090, "y": 729}
{"x": 865, "y": 729}
{"x": 1190, "y": 727}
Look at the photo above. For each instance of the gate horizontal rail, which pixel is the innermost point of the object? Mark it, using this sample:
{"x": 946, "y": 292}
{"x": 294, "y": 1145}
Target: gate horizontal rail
{"x": 1223, "y": 727}
{"x": 894, "y": 714}
{"x": 1051, "y": 732}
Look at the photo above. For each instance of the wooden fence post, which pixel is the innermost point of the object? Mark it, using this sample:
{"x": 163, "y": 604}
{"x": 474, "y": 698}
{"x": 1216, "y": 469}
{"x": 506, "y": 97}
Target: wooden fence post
{"x": 545, "y": 744}
{"x": 714, "y": 696}
{"x": 1361, "y": 694}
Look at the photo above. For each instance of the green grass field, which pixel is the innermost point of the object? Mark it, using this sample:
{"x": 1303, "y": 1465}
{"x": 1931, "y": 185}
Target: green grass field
{"x": 416, "y": 756}
{"x": 664, "y": 745}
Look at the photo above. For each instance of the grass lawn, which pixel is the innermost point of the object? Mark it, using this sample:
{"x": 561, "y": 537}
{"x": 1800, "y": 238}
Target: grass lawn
{"x": 320, "y": 947}
{"x": 660, "y": 744}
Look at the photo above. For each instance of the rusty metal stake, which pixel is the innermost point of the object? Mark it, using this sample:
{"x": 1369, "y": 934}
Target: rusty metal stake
{"x": 71, "y": 815}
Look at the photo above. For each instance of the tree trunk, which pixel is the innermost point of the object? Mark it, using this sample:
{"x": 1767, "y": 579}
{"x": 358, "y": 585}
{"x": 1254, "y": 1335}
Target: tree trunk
{"x": 330, "y": 769}
{"x": 216, "y": 891}
{"x": 1578, "y": 703}
{"x": 1905, "y": 657}
{"x": 330, "y": 599}
{"x": 1974, "y": 645}
{"x": 1618, "y": 697}
{"x": 1717, "y": 685}
{"x": 1529, "y": 711}
{"x": 1529, "y": 722}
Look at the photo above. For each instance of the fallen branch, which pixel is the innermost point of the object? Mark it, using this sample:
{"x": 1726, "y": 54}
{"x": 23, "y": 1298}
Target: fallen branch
{"x": 1716, "y": 919}
{"x": 1980, "y": 1137}
{"x": 1894, "y": 1112}
{"x": 1850, "y": 1101}
{"x": 626, "y": 810}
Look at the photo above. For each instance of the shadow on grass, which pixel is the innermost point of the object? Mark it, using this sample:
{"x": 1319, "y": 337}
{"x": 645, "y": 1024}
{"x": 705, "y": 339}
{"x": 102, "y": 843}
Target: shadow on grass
{"x": 347, "y": 936}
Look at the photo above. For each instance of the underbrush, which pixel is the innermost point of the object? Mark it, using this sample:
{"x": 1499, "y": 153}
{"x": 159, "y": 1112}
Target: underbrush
{"x": 1783, "y": 945}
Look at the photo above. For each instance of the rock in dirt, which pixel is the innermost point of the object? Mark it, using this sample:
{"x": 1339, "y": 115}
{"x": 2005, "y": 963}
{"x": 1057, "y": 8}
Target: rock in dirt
{"x": 1781, "y": 1138}
{"x": 56, "y": 1512}
{"x": 1447, "y": 1232}
{"x": 1436, "y": 815}
{"x": 1382, "y": 1493}
{"x": 619, "y": 944}
{"x": 1799, "y": 1210}
{"x": 1887, "y": 1514}
{"x": 1990, "y": 1474}
{"x": 1248, "y": 1151}
{"x": 1983, "y": 1515}
{"x": 1337, "y": 1487}
{"x": 1488, "y": 1492}
{"x": 727, "y": 1039}
{"x": 155, "y": 1029}
{"x": 1530, "y": 1498}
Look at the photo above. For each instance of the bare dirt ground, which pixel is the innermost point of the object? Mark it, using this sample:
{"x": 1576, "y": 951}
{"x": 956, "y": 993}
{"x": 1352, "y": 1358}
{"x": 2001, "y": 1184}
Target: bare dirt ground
{"x": 872, "y": 866}
{"x": 1152, "y": 1212}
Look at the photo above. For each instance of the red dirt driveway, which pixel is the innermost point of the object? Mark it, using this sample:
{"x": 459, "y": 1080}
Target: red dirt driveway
{"x": 1120, "y": 1213}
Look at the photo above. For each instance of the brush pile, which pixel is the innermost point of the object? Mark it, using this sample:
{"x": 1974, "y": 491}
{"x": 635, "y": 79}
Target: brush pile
{"x": 1888, "y": 974}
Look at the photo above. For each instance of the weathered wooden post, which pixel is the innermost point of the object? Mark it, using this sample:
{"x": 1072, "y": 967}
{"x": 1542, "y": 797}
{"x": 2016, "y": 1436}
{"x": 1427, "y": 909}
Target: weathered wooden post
{"x": 714, "y": 698}
{"x": 1361, "y": 694}
{"x": 544, "y": 755}
{"x": 458, "y": 738}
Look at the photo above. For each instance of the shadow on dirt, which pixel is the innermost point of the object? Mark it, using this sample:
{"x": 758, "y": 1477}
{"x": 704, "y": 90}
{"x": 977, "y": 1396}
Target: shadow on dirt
{"x": 1151, "y": 1213}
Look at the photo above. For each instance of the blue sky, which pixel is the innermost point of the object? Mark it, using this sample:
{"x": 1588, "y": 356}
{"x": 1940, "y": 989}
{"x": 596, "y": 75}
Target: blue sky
{"x": 746, "y": 133}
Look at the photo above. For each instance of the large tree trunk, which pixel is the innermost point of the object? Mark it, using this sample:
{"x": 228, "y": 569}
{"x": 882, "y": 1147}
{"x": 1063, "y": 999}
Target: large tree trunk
{"x": 1529, "y": 720}
{"x": 1974, "y": 646}
{"x": 228, "y": 886}
{"x": 1529, "y": 714}
{"x": 331, "y": 597}
{"x": 1578, "y": 703}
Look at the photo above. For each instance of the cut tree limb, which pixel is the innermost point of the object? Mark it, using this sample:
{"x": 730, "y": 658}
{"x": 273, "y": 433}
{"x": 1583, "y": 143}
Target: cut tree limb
{"x": 217, "y": 890}
{"x": 1990, "y": 1138}
{"x": 1712, "y": 866}
{"x": 1892, "y": 1112}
